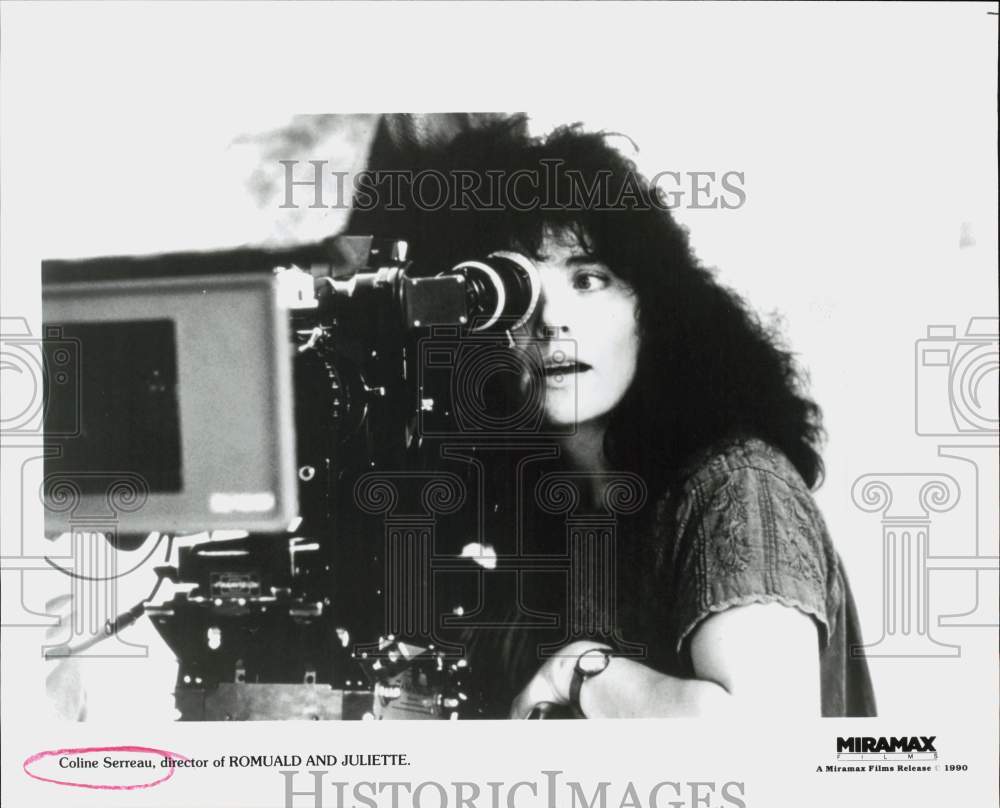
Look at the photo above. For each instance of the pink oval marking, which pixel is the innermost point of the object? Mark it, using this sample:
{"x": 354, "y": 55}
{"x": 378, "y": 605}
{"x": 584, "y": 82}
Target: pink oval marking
{"x": 163, "y": 753}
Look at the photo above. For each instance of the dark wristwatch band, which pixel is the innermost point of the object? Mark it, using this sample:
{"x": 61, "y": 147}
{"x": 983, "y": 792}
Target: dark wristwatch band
{"x": 590, "y": 663}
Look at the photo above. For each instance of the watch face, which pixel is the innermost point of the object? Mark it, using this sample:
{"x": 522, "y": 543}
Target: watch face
{"x": 593, "y": 661}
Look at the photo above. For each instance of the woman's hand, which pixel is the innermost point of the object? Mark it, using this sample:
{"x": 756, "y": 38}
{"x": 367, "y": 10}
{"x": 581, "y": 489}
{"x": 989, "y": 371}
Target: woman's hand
{"x": 551, "y": 684}
{"x": 758, "y": 659}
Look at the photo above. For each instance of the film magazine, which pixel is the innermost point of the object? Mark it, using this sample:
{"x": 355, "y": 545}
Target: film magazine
{"x": 600, "y": 454}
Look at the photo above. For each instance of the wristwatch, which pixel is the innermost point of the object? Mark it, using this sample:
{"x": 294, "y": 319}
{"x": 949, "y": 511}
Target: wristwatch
{"x": 590, "y": 663}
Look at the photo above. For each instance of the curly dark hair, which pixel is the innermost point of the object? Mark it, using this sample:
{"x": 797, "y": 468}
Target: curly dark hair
{"x": 708, "y": 369}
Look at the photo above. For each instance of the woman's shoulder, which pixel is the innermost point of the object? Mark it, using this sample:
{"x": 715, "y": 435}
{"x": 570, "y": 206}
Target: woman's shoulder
{"x": 744, "y": 528}
{"x": 744, "y": 456}
{"x": 741, "y": 488}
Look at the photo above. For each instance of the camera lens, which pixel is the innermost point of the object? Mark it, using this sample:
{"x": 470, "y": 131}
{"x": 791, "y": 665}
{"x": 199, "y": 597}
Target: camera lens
{"x": 503, "y": 288}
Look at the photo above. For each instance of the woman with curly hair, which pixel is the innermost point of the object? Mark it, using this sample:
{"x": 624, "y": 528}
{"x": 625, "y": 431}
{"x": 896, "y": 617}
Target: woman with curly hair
{"x": 729, "y": 595}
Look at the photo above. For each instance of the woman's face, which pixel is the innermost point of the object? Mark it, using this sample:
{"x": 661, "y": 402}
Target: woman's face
{"x": 587, "y": 330}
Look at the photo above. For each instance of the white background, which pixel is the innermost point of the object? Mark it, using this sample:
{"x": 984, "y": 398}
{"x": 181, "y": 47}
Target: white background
{"x": 867, "y": 136}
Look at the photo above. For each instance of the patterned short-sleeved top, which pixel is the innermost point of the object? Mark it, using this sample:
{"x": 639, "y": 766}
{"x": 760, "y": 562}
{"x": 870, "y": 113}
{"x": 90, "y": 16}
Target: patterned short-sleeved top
{"x": 740, "y": 527}
{"x": 743, "y": 528}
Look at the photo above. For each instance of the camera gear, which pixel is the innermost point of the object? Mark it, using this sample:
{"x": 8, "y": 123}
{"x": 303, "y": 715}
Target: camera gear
{"x": 289, "y": 621}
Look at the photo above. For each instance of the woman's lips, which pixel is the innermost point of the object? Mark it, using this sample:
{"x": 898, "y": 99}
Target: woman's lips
{"x": 566, "y": 368}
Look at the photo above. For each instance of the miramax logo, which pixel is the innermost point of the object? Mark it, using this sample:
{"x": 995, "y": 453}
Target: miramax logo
{"x": 862, "y": 744}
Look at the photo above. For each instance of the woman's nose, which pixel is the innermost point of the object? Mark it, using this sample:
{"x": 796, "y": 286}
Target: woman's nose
{"x": 551, "y": 320}
{"x": 551, "y": 332}
{"x": 546, "y": 326}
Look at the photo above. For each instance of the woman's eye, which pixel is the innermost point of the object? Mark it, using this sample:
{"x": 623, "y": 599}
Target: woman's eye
{"x": 590, "y": 281}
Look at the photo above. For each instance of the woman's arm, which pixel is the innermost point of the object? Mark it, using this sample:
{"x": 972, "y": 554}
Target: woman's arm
{"x": 761, "y": 657}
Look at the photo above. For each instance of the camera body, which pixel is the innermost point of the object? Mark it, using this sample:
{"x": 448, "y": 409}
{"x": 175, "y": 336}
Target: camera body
{"x": 320, "y": 352}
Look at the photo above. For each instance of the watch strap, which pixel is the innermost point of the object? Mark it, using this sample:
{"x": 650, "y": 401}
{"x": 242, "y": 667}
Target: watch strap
{"x": 580, "y": 676}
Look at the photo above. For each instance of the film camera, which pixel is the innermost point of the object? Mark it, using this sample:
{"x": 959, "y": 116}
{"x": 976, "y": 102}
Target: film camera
{"x": 242, "y": 396}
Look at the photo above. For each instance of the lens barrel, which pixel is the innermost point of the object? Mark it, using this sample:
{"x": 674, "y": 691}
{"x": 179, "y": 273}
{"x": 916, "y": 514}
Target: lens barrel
{"x": 502, "y": 289}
